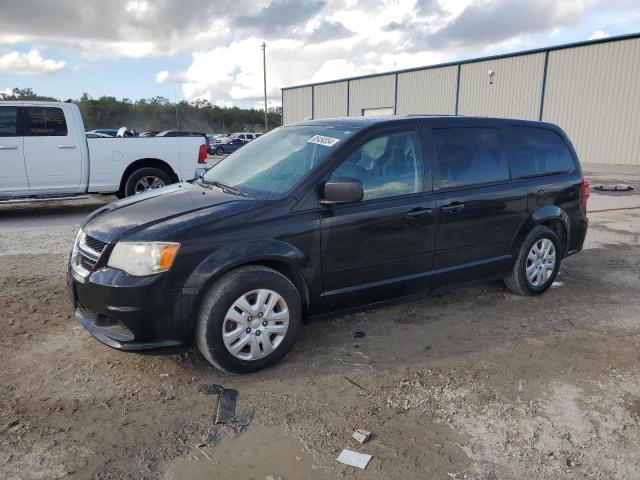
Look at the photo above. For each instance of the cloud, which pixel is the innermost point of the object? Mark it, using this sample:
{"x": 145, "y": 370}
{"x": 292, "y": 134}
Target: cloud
{"x": 279, "y": 17}
{"x": 598, "y": 34}
{"x": 486, "y": 22}
{"x": 129, "y": 29}
{"x": 327, "y": 31}
{"x": 30, "y": 63}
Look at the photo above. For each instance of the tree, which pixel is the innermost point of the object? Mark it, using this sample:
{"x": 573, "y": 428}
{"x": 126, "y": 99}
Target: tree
{"x": 159, "y": 113}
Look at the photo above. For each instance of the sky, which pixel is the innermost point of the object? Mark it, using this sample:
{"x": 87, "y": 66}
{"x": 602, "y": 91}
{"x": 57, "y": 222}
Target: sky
{"x": 190, "y": 49}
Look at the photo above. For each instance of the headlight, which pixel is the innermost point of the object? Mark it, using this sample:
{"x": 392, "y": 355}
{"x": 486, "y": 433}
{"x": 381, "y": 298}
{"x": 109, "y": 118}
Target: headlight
{"x": 143, "y": 258}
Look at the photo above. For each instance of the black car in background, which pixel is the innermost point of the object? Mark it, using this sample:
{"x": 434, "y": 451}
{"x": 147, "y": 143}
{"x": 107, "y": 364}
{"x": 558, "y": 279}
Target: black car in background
{"x": 326, "y": 216}
{"x": 227, "y": 147}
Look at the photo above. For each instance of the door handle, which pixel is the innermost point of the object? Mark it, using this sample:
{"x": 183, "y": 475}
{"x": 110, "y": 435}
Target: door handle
{"x": 8, "y": 147}
{"x": 456, "y": 208}
{"x": 66, "y": 146}
{"x": 419, "y": 213}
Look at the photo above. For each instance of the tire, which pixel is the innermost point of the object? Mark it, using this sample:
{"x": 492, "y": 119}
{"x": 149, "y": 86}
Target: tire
{"x": 131, "y": 186}
{"x": 219, "y": 151}
{"x": 218, "y": 313}
{"x": 519, "y": 280}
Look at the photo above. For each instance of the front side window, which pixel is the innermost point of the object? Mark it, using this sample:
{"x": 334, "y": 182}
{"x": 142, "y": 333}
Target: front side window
{"x": 468, "y": 156}
{"x": 387, "y": 166}
{"x": 273, "y": 164}
{"x": 45, "y": 122}
{"x": 8, "y": 121}
{"x": 538, "y": 151}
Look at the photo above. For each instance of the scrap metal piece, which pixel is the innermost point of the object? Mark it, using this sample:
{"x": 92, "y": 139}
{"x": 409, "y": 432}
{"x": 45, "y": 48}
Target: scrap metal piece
{"x": 227, "y": 405}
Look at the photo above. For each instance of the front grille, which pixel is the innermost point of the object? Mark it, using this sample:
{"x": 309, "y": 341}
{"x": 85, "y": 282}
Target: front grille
{"x": 86, "y": 262}
{"x": 94, "y": 244}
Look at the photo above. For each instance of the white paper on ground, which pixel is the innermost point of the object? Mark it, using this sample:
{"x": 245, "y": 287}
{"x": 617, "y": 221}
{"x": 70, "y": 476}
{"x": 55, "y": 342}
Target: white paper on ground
{"x": 355, "y": 459}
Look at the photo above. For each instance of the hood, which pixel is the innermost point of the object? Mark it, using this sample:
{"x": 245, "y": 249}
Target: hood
{"x": 143, "y": 210}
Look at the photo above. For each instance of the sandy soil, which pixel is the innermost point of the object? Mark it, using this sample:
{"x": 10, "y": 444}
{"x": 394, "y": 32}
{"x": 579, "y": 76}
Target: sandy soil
{"x": 477, "y": 383}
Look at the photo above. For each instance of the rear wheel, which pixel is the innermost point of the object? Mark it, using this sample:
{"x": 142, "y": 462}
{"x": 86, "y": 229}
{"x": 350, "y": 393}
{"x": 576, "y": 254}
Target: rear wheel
{"x": 537, "y": 264}
{"x": 145, "y": 179}
{"x": 248, "y": 320}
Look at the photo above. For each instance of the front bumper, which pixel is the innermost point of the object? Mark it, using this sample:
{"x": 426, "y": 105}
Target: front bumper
{"x": 131, "y": 313}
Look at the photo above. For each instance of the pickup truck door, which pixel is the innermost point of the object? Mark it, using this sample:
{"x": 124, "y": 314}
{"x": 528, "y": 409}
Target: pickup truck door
{"x": 13, "y": 176}
{"x": 52, "y": 153}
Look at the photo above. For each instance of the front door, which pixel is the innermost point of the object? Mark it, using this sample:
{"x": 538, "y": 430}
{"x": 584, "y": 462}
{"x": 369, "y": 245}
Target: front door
{"x": 13, "y": 176}
{"x": 479, "y": 209}
{"x": 52, "y": 153}
{"x": 381, "y": 247}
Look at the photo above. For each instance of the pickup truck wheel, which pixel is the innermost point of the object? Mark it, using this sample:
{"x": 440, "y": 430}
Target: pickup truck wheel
{"x": 537, "y": 264}
{"x": 145, "y": 179}
{"x": 219, "y": 151}
{"x": 248, "y": 320}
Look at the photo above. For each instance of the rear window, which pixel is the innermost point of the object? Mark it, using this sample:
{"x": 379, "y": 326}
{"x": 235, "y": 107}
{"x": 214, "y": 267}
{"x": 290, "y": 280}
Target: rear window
{"x": 45, "y": 122}
{"x": 468, "y": 156}
{"x": 8, "y": 121}
{"x": 538, "y": 151}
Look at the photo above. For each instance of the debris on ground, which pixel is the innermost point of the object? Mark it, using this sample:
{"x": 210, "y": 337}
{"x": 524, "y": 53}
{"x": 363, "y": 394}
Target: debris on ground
{"x": 361, "y": 435}
{"x": 359, "y": 334}
{"x": 227, "y": 405}
{"x": 355, "y": 384}
{"x": 355, "y": 459}
{"x": 619, "y": 187}
{"x": 242, "y": 419}
{"x": 210, "y": 389}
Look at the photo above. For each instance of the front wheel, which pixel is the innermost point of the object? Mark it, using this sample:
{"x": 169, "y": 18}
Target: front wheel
{"x": 248, "y": 320}
{"x": 219, "y": 151}
{"x": 537, "y": 264}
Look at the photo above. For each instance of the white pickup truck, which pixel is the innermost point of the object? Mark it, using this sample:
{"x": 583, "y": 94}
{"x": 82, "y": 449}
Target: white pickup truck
{"x": 44, "y": 154}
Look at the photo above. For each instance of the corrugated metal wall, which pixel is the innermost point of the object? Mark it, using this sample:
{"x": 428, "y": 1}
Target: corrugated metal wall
{"x": 372, "y": 92}
{"x": 593, "y": 93}
{"x": 330, "y": 100}
{"x": 431, "y": 91}
{"x": 515, "y": 92}
{"x": 296, "y": 105}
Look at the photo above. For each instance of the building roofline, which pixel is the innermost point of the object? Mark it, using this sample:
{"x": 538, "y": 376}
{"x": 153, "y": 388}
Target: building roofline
{"x": 583, "y": 43}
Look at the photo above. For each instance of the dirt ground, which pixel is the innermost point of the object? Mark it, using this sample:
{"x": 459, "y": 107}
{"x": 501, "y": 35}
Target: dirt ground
{"x": 474, "y": 384}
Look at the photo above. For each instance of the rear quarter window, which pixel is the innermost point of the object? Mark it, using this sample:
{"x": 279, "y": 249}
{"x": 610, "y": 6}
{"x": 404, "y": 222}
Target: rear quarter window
{"x": 45, "y": 122}
{"x": 537, "y": 151}
{"x": 468, "y": 156}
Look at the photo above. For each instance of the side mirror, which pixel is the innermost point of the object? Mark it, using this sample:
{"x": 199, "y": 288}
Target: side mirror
{"x": 342, "y": 190}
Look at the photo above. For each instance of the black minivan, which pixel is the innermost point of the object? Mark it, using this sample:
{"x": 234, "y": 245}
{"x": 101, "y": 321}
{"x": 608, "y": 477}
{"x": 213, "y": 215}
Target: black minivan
{"x": 325, "y": 216}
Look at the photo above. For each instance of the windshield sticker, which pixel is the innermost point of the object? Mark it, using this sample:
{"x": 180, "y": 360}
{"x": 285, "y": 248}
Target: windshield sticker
{"x": 321, "y": 140}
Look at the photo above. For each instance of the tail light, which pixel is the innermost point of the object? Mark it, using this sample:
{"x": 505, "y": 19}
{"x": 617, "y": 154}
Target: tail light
{"x": 585, "y": 191}
{"x": 202, "y": 154}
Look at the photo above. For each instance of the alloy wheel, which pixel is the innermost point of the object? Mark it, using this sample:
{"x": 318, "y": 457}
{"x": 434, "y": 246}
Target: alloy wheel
{"x": 148, "y": 182}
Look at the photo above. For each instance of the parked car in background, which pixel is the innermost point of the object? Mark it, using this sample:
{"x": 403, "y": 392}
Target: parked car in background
{"x": 45, "y": 153}
{"x": 245, "y": 136}
{"x": 227, "y": 147}
{"x": 111, "y": 132}
{"x": 97, "y": 135}
{"x": 327, "y": 215}
{"x": 151, "y": 133}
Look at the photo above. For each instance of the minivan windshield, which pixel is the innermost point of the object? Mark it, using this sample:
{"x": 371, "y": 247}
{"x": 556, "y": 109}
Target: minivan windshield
{"x": 272, "y": 164}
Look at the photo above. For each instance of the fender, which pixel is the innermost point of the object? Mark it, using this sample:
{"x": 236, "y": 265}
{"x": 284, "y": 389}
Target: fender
{"x": 540, "y": 216}
{"x": 254, "y": 251}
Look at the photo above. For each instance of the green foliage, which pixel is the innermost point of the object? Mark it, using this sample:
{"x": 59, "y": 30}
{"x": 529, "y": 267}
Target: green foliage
{"x": 158, "y": 113}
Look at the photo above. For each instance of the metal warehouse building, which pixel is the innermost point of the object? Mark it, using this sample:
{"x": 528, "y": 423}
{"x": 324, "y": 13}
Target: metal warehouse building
{"x": 591, "y": 89}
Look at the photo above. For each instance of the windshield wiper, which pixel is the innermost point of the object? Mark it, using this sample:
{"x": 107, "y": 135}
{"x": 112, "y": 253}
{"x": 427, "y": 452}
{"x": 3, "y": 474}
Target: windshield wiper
{"x": 223, "y": 187}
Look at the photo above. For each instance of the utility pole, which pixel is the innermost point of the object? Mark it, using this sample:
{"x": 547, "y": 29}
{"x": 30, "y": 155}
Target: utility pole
{"x": 264, "y": 68}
